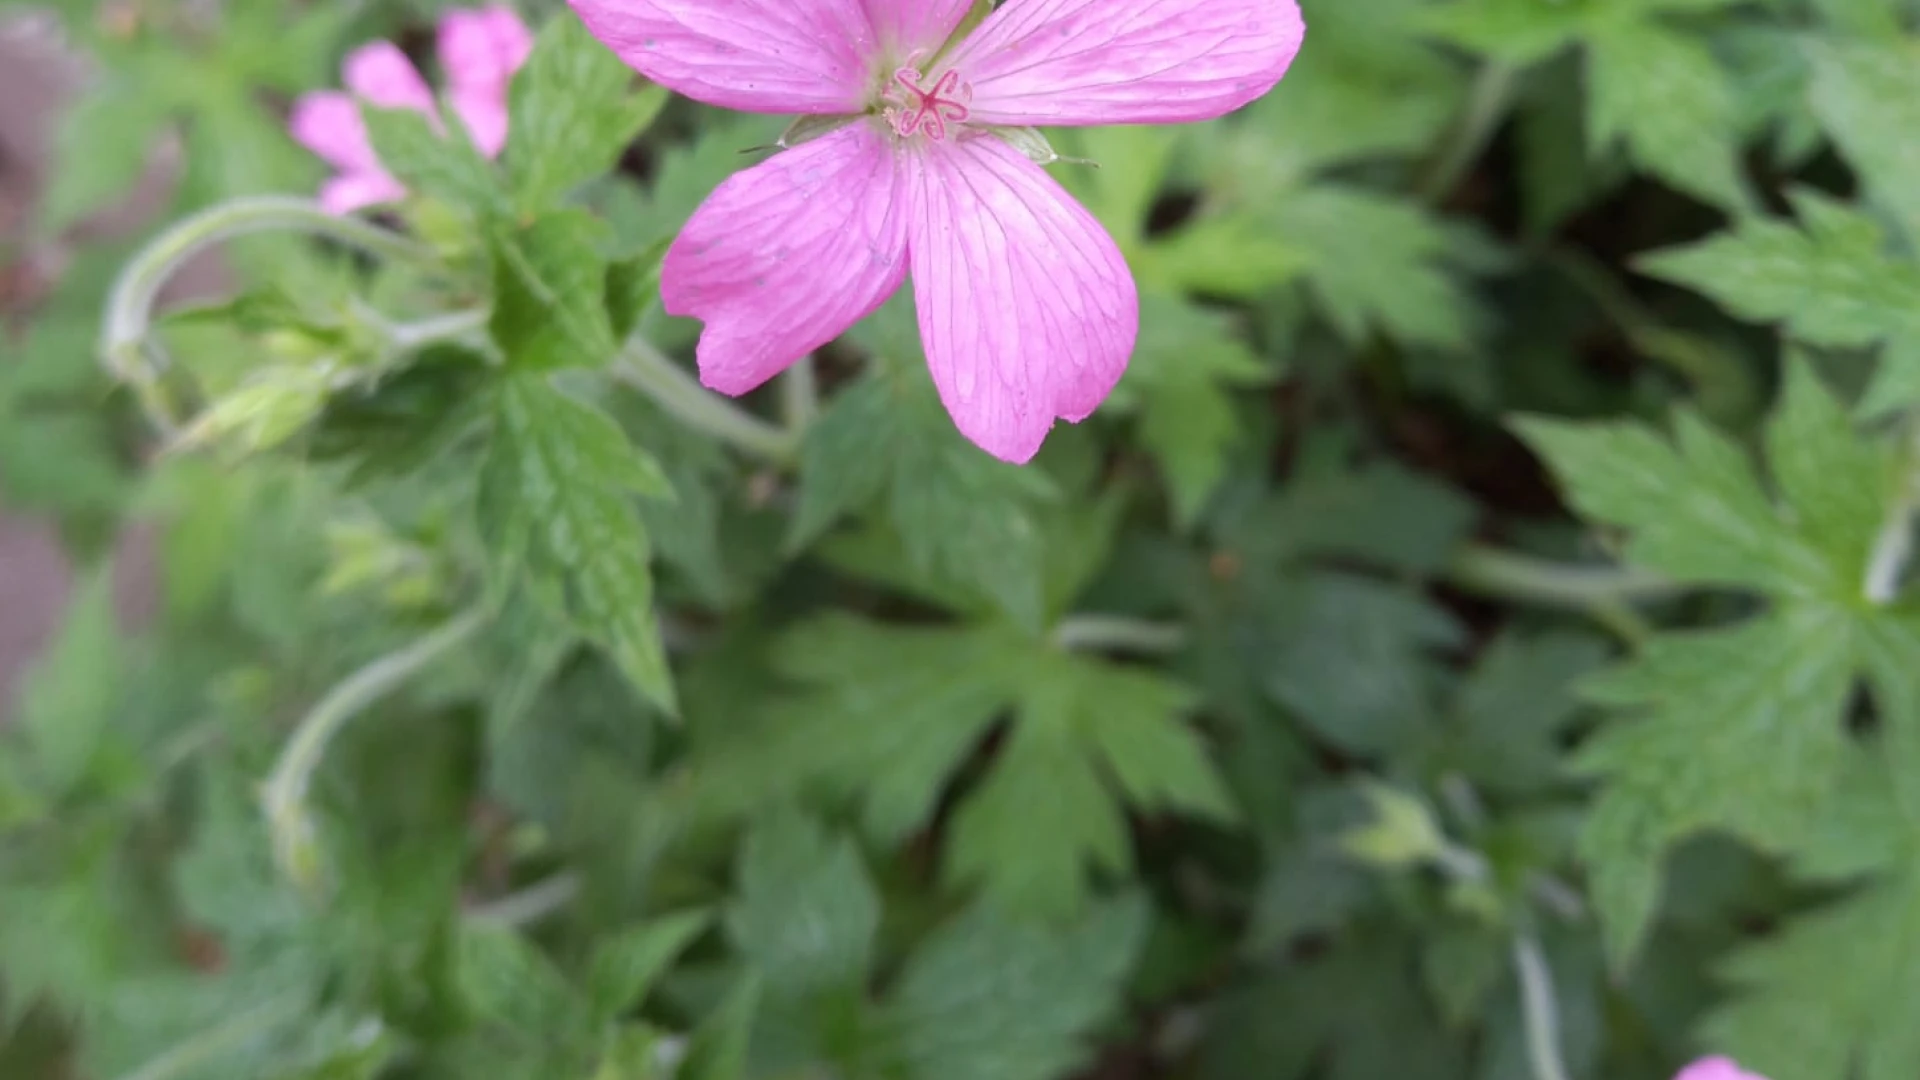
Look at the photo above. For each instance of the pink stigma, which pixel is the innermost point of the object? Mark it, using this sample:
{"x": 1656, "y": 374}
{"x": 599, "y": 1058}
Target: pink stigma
{"x": 930, "y": 110}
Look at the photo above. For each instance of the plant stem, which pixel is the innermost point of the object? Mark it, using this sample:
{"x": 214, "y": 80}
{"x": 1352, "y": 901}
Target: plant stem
{"x": 285, "y": 793}
{"x": 1540, "y": 1010}
{"x": 1894, "y": 546}
{"x": 459, "y": 326}
{"x": 1487, "y": 105}
{"x": 800, "y": 395}
{"x": 529, "y": 905}
{"x": 649, "y": 371}
{"x": 1117, "y": 633}
{"x": 1725, "y": 387}
{"x": 125, "y": 345}
{"x": 1603, "y": 592}
{"x": 187, "y": 1058}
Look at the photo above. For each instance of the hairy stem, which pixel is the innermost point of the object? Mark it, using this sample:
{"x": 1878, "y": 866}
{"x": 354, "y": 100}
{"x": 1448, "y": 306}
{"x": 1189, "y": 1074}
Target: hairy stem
{"x": 1487, "y": 106}
{"x": 800, "y": 396}
{"x": 1539, "y": 1009}
{"x": 649, "y": 371}
{"x": 126, "y": 345}
{"x": 1602, "y": 592}
{"x": 530, "y": 904}
{"x": 188, "y": 1058}
{"x": 284, "y": 796}
{"x": 1117, "y": 633}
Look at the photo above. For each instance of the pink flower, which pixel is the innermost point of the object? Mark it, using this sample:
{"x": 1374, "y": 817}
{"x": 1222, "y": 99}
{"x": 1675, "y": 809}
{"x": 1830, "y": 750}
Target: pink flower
{"x": 479, "y": 52}
{"x": 1716, "y": 1068}
{"x": 1027, "y": 308}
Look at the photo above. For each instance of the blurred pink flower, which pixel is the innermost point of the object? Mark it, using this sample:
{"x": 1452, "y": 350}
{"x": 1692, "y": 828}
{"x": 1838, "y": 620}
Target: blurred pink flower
{"x": 479, "y": 52}
{"x": 1716, "y": 1068}
{"x": 1027, "y": 308}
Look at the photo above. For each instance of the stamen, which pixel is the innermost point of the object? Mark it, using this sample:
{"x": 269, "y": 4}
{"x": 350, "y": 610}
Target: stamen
{"x": 930, "y": 110}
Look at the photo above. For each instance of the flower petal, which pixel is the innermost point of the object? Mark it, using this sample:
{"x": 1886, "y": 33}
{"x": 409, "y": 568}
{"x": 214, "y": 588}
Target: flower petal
{"x": 329, "y": 124}
{"x": 1078, "y": 62}
{"x": 1716, "y": 1068}
{"x": 764, "y": 56}
{"x": 905, "y": 26}
{"x": 484, "y": 114}
{"x": 358, "y": 190}
{"x": 481, "y": 48}
{"x": 785, "y": 256}
{"x": 381, "y": 75}
{"x": 1027, "y": 308}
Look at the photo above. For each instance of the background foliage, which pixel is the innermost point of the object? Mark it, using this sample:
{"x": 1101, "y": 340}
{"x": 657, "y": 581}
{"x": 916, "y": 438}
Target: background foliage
{"x": 1491, "y": 558}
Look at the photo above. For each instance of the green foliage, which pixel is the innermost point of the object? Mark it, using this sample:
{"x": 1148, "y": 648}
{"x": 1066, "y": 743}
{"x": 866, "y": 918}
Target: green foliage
{"x": 555, "y": 512}
{"x": 1432, "y": 591}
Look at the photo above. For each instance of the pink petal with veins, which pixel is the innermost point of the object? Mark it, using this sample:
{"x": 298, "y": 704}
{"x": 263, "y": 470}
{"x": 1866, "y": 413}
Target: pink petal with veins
{"x": 760, "y": 56}
{"x": 908, "y": 26}
{"x": 1027, "y": 308}
{"x": 1079, "y": 62}
{"x": 787, "y": 255}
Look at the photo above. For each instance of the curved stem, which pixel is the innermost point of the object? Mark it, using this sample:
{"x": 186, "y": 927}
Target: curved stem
{"x": 187, "y": 1058}
{"x": 125, "y": 345}
{"x": 530, "y": 904}
{"x": 1539, "y": 1008}
{"x": 649, "y": 371}
{"x": 1602, "y": 592}
{"x": 1117, "y": 633}
{"x": 1487, "y": 106}
{"x": 284, "y": 796}
{"x": 465, "y": 327}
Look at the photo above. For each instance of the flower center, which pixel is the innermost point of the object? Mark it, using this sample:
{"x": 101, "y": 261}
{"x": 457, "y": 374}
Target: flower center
{"x": 912, "y": 107}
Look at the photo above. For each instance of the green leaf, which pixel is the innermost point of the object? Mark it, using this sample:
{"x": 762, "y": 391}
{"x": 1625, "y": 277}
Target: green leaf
{"x": 1830, "y": 282}
{"x": 1184, "y": 370}
{"x": 72, "y": 696}
{"x": 718, "y": 1049}
{"x": 989, "y": 999}
{"x": 1824, "y": 998}
{"x": 573, "y": 110}
{"x": 1376, "y": 263}
{"x": 1665, "y": 97}
{"x": 556, "y": 510}
{"x": 1507, "y": 721}
{"x": 1697, "y": 512}
{"x": 807, "y": 912}
{"x": 1867, "y": 96}
{"x": 1038, "y": 825}
{"x": 891, "y": 713}
{"x": 1516, "y": 32}
{"x": 1737, "y": 729}
{"x": 626, "y": 965}
{"x": 102, "y": 149}
{"x": 965, "y": 520}
{"x": 633, "y": 287}
{"x": 507, "y": 980}
{"x": 550, "y": 294}
{"x": 1353, "y": 659}
{"x": 446, "y": 167}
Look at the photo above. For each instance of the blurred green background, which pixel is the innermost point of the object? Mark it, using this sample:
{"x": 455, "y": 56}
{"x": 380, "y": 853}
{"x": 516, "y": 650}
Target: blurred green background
{"x": 1372, "y": 690}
